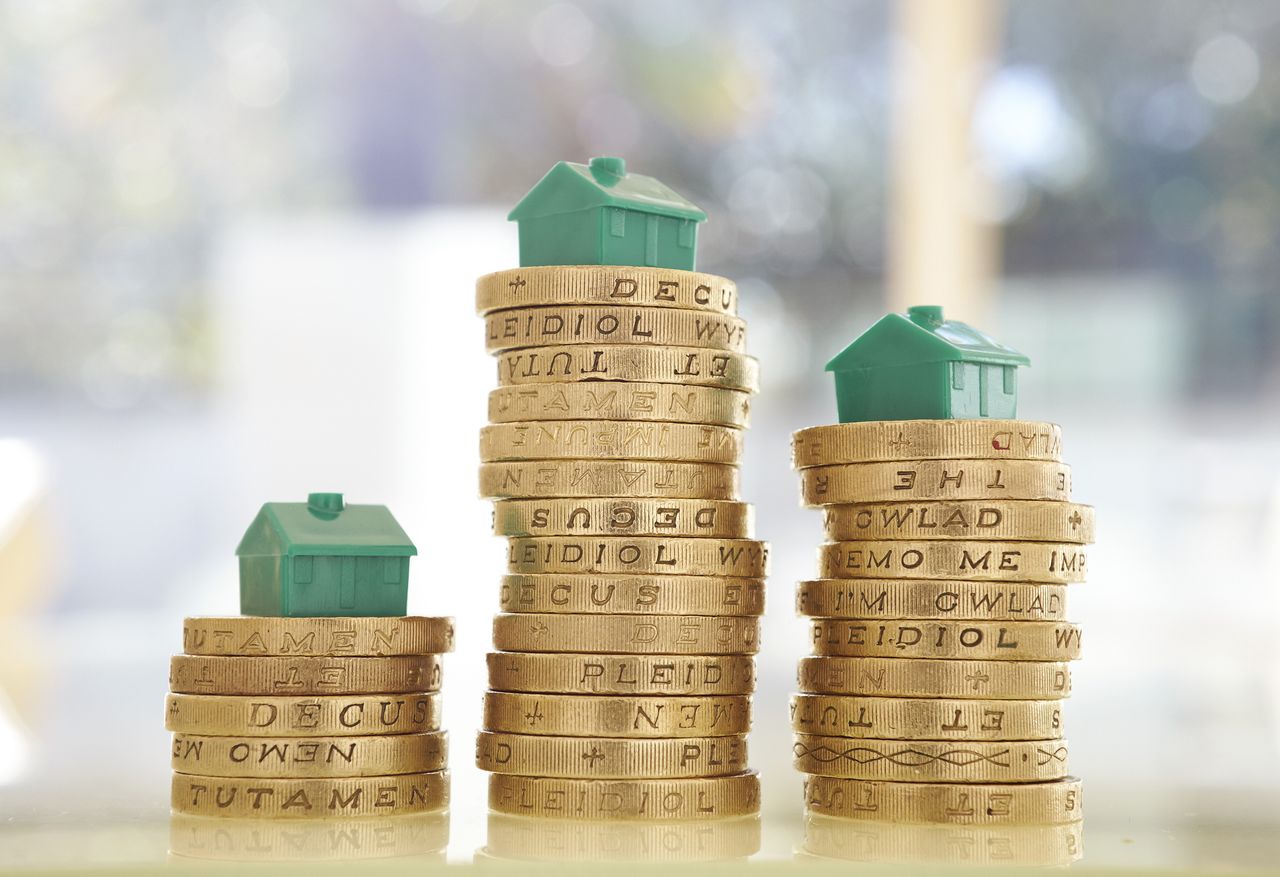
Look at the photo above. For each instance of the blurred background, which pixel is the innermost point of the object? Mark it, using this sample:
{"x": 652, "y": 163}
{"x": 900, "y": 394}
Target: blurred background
{"x": 238, "y": 243}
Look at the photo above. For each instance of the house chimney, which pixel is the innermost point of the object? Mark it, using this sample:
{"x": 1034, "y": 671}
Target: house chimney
{"x": 608, "y": 170}
{"x": 325, "y": 503}
{"x": 925, "y": 316}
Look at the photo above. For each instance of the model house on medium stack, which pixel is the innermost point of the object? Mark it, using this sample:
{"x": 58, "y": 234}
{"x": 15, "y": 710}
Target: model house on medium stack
{"x": 918, "y": 366}
{"x": 324, "y": 558}
{"x": 598, "y": 214}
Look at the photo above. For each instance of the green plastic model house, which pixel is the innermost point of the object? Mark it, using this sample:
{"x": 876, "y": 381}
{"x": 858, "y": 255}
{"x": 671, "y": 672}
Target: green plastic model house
{"x": 918, "y": 366}
{"x": 598, "y": 214}
{"x": 324, "y": 557}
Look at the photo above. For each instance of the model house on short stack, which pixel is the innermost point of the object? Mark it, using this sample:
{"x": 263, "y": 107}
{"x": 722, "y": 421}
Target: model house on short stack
{"x": 323, "y": 558}
{"x": 919, "y": 366}
{"x": 598, "y": 214}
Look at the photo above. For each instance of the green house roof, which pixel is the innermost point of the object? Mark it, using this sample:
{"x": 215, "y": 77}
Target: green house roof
{"x": 569, "y": 187}
{"x": 922, "y": 335}
{"x": 326, "y": 525}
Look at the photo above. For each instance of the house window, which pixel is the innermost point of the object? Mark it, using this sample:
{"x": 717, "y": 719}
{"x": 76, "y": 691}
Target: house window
{"x": 303, "y": 569}
{"x": 957, "y": 375}
{"x": 390, "y": 570}
{"x": 1010, "y": 380}
{"x": 618, "y": 222}
{"x": 685, "y": 238}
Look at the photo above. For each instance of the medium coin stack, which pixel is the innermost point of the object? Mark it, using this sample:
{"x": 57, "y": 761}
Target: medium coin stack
{"x": 939, "y": 635}
{"x": 620, "y": 688}
{"x": 315, "y": 718}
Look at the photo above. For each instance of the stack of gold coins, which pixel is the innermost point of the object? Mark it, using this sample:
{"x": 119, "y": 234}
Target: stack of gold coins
{"x": 620, "y": 688}
{"x": 940, "y": 637}
{"x": 308, "y": 718}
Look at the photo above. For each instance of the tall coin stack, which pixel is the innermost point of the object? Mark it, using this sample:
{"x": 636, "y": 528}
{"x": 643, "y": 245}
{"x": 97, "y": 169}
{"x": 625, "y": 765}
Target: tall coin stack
{"x": 327, "y": 709}
{"x": 620, "y": 688}
{"x": 930, "y": 710}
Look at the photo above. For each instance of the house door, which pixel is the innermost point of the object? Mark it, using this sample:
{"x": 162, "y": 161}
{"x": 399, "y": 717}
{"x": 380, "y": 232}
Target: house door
{"x": 651, "y": 240}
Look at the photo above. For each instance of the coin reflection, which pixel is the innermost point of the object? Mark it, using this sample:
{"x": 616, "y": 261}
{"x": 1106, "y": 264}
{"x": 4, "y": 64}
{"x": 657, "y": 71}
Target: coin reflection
{"x": 830, "y": 838}
{"x": 266, "y": 840}
{"x": 532, "y": 839}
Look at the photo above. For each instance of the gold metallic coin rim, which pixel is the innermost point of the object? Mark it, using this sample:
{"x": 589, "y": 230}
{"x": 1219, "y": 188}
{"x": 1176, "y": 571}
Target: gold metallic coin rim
{"x": 854, "y": 483}
{"x": 389, "y": 755}
{"x": 741, "y": 792}
{"x": 227, "y": 725}
{"x": 546, "y": 665}
{"x": 550, "y": 285}
{"x": 979, "y": 770}
{"x": 682, "y": 442}
{"x": 667, "y": 327}
{"x": 725, "y": 479}
{"x": 883, "y": 440}
{"x": 950, "y": 670}
{"x": 602, "y": 634}
{"x": 914, "y": 802}
{"x": 709, "y": 406}
{"x": 945, "y": 559}
{"x": 672, "y": 595}
{"x": 993, "y": 633}
{"x": 437, "y": 792}
{"x": 513, "y": 517}
{"x": 685, "y": 555}
{"x": 1030, "y": 521}
{"x": 247, "y": 678}
{"x": 590, "y": 715}
{"x": 557, "y": 756}
{"x": 923, "y": 718}
{"x": 914, "y": 611}
{"x": 434, "y": 632}
{"x": 636, "y": 363}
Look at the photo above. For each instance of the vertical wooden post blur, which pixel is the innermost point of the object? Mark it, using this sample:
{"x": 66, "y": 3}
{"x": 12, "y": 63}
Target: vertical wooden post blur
{"x": 938, "y": 252}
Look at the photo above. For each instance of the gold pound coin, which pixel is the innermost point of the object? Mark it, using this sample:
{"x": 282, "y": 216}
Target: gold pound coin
{"x": 348, "y": 839}
{"x": 610, "y": 758}
{"x": 1025, "y": 846}
{"x": 325, "y": 637}
{"x": 912, "y": 480}
{"x": 520, "y": 328}
{"x": 632, "y": 595}
{"x": 672, "y": 675}
{"x": 546, "y": 285}
{"x": 542, "y": 839}
{"x": 885, "y": 440}
{"x": 632, "y": 363}
{"x": 610, "y": 440}
{"x": 1048, "y": 803}
{"x": 1019, "y": 521}
{"x": 304, "y": 676}
{"x": 326, "y": 716}
{"x": 914, "y": 718}
{"x": 639, "y": 555}
{"x": 627, "y": 634}
{"x": 618, "y": 479}
{"x": 645, "y": 799}
{"x": 958, "y": 600}
{"x": 702, "y": 518}
{"x": 923, "y": 677}
{"x": 941, "y": 559}
{"x": 601, "y": 716}
{"x": 616, "y": 400}
{"x": 298, "y": 757}
{"x": 967, "y": 640}
{"x": 914, "y": 761}
{"x": 310, "y": 798}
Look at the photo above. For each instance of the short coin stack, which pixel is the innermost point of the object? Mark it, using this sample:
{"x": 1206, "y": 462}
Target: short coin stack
{"x": 308, "y": 717}
{"x": 940, "y": 642}
{"x": 621, "y": 685}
